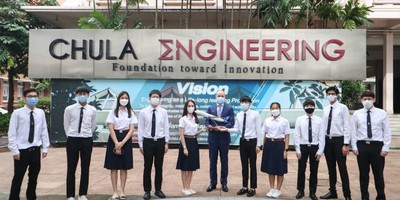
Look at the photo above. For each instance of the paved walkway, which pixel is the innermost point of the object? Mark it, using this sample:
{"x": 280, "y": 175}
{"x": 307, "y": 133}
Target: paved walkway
{"x": 51, "y": 183}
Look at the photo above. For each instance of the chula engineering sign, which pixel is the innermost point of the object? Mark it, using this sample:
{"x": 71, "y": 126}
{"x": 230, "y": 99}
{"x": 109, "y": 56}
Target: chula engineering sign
{"x": 198, "y": 54}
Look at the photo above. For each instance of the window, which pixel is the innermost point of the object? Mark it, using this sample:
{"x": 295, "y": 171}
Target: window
{"x": 5, "y": 90}
{"x": 20, "y": 90}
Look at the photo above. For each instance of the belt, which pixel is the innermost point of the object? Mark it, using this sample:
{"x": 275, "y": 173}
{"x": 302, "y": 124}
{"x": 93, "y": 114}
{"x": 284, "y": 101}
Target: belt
{"x": 30, "y": 149}
{"x": 189, "y": 136}
{"x": 275, "y": 139}
{"x": 121, "y": 131}
{"x": 369, "y": 142}
{"x": 308, "y": 145}
{"x": 154, "y": 139}
{"x": 248, "y": 140}
{"x": 333, "y": 137}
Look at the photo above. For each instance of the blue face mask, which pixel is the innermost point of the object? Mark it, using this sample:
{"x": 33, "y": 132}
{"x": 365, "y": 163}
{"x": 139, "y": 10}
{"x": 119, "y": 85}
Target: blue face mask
{"x": 244, "y": 106}
{"x": 83, "y": 98}
{"x": 32, "y": 101}
{"x": 220, "y": 100}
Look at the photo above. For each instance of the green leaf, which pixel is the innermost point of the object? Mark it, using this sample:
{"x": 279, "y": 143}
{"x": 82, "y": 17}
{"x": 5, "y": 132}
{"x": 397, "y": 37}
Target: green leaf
{"x": 284, "y": 89}
{"x": 292, "y": 98}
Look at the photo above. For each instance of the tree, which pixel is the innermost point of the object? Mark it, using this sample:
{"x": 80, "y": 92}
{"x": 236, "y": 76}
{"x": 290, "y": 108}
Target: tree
{"x": 275, "y": 12}
{"x": 14, "y": 39}
{"x": 355, "y": 15}
{"x": 99, "y": 20}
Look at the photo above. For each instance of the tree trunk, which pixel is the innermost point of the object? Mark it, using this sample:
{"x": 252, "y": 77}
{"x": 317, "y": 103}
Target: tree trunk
{"x": 10, "y": 103}
{"x": 205, "y": 9}
{"x": 240, "y": 9}
{"x": 232, "y": 16}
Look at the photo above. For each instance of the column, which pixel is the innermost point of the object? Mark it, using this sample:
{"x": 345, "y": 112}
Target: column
{"x": 388, "y": 72}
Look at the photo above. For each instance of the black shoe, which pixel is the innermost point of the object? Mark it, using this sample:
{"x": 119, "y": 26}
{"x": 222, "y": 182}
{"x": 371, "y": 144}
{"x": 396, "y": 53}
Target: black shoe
{"x": 329, "y": 195}
{"x": 299, "y": 195}
{"x": 159, "y": 194}
{"x": 347, "y": 198}
{"x": 242, "y": 191}
{"x": 225, "y": 188}
{"x": 211, "y": 188}
{"x": 251, "y": 192}
{"x": 146, "y": 196}
{"x": 313, "y": 197}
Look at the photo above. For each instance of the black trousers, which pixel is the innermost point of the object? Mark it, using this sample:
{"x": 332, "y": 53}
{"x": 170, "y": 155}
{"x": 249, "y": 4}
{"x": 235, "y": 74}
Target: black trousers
{"x": 153, "y": 151}
{"x": 78, "y": 148}
{"x": 333, "y": 155}
{"x": 308, "y": 152}
{"x": 28, "y": 157}
{"x": 248, "y": 155}
{"x": 369, "y": 157}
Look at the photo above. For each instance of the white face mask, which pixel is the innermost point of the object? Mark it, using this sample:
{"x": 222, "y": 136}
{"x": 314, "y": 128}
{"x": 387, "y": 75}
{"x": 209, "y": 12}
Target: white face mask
{"x": 244, "y": 106}
{"x": 332, "y": 98}
{"x": 154, "y": 101}
{"x": 190, "y": 109}
{"x": 123, "y": 102}
{"x": 367, "y": 104}
{"x": 220, "y": 100}
{"x": 275, "y": 112}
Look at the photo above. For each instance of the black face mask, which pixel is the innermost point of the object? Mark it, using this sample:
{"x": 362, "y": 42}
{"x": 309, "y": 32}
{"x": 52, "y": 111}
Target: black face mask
{"x": 309, "y": 110}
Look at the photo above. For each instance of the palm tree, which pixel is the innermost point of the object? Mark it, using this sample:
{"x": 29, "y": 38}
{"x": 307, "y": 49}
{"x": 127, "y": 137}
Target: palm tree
{"x": 355, "y": 15}
{"x": 98, "y": 20}
{"x": 276, "y": 12}
{"x": 136, "y": 3}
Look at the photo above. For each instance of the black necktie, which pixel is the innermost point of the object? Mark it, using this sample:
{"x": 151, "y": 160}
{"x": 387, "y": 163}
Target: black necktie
{"x": 153, "y": 124}
{"x": 244, "y": 126}
{"x": 31, "y": 128}
{"x": 369, "y": 129}
{"x": 80, "y": 120}
{"x": 309, "y": 130}
{"x": 328, "y": 130}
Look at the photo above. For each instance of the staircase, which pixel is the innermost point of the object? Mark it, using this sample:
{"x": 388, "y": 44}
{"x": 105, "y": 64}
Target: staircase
{"x": 394, "y": 120}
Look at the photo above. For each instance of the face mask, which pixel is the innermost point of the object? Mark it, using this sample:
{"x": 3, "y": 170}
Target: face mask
{"x": 367, "y": 104}
{"x": 83, "y": 98}
{"x": 275, "y": 112}
{"x": 32, "y": 101}
{"x": 309, "y": 110}
{"x": 220, "y": 100}
{"x": 190, "y": 109}
{"x": 123, "y": 102}
{"x": 154, "y": 101}
{"x": 332, "y": 98}
{"x": 244, "y": 106}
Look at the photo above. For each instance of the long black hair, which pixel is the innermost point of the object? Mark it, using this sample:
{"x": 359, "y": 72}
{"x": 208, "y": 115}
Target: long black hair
{"x": 128, "y": 106}
{"x": 185, "y": 112}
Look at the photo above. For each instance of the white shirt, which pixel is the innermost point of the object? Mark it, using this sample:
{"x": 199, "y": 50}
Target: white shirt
{"x": 379, "y": 124}
{"x": 301, "y": 133}
{"x": 340, "y": 123}
{"x": 276, "y": 127}
{"x": 71, "y": 120}
{"x": 253, "y": 125}
{"x": 189, "y": 125}
{"x": 144, "y": 125}
{"x": 18, "y": 130}
{"x": 122, "y": 122}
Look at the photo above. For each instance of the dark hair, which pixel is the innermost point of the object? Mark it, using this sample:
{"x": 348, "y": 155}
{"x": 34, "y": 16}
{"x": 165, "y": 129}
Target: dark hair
{"x": 332, "y": 88}
{"x": 29, "y": 90}
{"x": 275, "y": 103}
{"x": 155, "y": 92}
{"x": 82, "y": 89}
{"x": 368, "y": 93}
{"x": 128, "y": 106}
{"x": 308, "y": 102}
{"x": 185, "y": 112}
{"x": 245, "y": 98}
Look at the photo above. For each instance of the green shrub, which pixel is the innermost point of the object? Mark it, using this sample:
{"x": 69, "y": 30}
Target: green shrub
{"x": 4, "y": 122}
{"x": 351, "y": 92}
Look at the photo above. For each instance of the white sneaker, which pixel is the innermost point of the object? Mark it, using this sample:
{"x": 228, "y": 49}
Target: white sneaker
{"x": 83, "y": 197}
{"x": 186, "y": 192}
{"x": 71, "y": 198}
{"x": 192, "y": 191}
{"x": 276, "y": 194}
{"x": 271, "y": 191}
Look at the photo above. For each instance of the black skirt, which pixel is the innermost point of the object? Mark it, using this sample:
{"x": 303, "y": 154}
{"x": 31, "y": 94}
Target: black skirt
{"x": 192, "y": 161}
{"x": 272, "y": 161}
{"x": 114, "y": 161}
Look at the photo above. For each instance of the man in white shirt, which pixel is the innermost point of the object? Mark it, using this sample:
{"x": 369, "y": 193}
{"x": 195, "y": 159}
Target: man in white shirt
{"x": 370, "y": 141}
{"x": 153, "y": 138}
{"x": 27, "y": 132}
{"x": 309, "y": 142}
{"x": 248, "y": 124}
{"x": 337, "y": 126}
{"x": 79, "y": 125}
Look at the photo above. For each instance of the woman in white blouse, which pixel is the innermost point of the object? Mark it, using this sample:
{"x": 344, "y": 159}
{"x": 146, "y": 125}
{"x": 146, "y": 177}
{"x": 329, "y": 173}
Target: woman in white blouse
{"x": 274, "y": 159}
{"x": 188, "y": 158}
{"x": 120, "y": 122}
